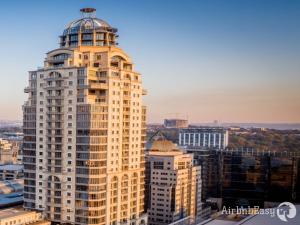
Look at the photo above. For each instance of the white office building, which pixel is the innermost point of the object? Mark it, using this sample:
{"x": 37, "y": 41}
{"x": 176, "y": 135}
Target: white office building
{"x": 204, "y": 137}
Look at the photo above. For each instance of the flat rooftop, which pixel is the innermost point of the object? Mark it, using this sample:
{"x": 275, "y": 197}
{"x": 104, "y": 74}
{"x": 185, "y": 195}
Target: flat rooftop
{"x": 12, "y": 212}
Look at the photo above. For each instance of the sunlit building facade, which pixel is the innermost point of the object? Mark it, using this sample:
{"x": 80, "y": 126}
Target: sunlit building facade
{"x": 84, "y": 130}
{"x": 6, "y": 152}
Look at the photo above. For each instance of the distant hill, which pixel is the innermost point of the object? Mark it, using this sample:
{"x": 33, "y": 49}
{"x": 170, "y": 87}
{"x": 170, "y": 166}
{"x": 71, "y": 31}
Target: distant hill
{"x": 10, "y": 123}
{"x": 277, "y": 126}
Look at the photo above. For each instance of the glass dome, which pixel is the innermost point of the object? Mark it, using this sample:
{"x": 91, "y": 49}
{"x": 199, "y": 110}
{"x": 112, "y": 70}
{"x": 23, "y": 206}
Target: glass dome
{"x": 86, "y": 24}
{"x": 88, "y": 31}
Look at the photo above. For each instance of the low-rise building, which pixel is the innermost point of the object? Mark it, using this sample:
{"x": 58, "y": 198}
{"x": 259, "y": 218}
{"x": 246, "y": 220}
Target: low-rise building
{"x": 204, "y": 137}
{"x": 176, "y": 123}
{"x": 8, "y": 151}
{"x": 173, "y": 184}
{"x": 5, "y": 152}
{"x": 18, "y": 216}
{"x": 11, "y": 172}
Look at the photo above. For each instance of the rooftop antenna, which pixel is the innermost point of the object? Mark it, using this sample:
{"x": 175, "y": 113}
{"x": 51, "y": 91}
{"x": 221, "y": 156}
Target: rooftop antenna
{"x": 88, "y": 12}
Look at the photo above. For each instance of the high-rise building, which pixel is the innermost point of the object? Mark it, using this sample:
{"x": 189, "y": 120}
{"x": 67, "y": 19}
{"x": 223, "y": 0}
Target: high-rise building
{"x": 84, "y": 130}
{"x": 248, "y": 177}
{"x": 173, "y": 184}
{"x": 204, "y": 137}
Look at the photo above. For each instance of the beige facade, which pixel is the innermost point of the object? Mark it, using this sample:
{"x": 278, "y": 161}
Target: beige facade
{"x": 174, "y": 184}
{"x": 6, "y": 152}
{"x": 15, "y": 216}
{"x": 84, "y": 131}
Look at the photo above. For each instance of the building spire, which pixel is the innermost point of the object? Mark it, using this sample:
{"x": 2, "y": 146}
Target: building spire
{"x": 88, "y": 12}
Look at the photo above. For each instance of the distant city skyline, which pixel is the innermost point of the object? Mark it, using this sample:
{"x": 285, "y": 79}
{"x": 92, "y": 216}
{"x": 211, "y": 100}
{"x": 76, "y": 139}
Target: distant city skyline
{"x": 231, "y": 61}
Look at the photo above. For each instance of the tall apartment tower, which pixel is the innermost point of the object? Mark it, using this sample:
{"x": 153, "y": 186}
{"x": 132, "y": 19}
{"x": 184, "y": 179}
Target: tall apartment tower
{"x": 84, "y": 130}
{"x": 173, "y": 185}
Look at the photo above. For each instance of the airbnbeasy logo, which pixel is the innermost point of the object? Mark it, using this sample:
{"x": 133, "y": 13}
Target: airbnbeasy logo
{"x": 286, "y": 211}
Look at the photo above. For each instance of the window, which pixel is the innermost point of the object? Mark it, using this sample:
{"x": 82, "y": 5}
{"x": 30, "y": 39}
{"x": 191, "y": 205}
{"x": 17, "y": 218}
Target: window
{"x": 81, "y": 72}
{"x": 80, "y": 81}
{"x": 99, "y": 36}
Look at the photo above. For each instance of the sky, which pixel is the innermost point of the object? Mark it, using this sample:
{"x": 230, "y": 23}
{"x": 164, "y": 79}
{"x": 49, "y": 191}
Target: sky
{"x": 231, "y": 61}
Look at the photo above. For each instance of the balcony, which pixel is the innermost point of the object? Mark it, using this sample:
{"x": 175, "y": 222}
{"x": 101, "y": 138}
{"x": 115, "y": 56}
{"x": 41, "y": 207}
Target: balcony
{"x": 98, "y": 86}
{"x": 28, "y": 89}
{"x": 55, "y": 97}
{"x": 126, "y": 87}
{"x": 55, "y": 111}
{"x": 56, "y": 87}
{"x": 144, "y": 92}
{"x": 54, "y": 120}
{"x": 126, "y": 97}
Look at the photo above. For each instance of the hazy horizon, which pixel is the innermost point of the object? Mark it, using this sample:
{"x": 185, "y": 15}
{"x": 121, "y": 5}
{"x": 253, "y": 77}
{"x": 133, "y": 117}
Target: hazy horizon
{"x": 231, "y": 61}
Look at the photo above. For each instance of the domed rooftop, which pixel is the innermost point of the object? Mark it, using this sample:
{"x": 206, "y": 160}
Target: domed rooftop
{"x": 87, "y": 23}
{"x": 88, "y": 31}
